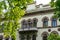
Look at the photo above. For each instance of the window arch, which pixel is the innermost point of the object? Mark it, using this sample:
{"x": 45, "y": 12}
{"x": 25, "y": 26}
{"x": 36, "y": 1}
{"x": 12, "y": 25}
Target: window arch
{"x": 45, "y": 21}
{"x": 35, "y": 20}
{"x": 54, "y": 22}
{"x": 54, "y": 32}
{"x": 44, "y": 35}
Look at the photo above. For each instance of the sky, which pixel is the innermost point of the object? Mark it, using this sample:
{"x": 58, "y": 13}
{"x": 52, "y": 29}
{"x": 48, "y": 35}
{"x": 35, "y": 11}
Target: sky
{"x": 42, "y": 1}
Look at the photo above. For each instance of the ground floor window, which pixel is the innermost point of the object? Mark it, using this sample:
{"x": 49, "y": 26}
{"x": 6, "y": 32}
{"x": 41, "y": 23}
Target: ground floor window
{"x": 34, "y": 37}
{"x": 0, "y": 39}
{"x": 45, "y": 37}
{"x": 7, "y": 38}
{"x": 22, "y": 37}
{"x": 28, "y": 37}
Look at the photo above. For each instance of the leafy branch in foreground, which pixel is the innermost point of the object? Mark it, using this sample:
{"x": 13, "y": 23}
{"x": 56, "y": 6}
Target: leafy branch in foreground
{"x": 14, "y": 10}
{"x": 56, "y": 5}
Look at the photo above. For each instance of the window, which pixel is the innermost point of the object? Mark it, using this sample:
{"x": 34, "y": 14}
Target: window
{"x": 24, "y": 24}
{"x": 54, "y": 22}
{"x": 0, "y": 39}
{"x": 28, "y": 37}
{"x": 35, "y": 20}
{"x": 54, "y": 32}
{"x": 45, "y": 23}
{"x": 7, "y": 38}
{"x": 44, "y": 35}
{"x": 29, "y": 23}
{"x": 34, "y": 37}
{"x": 22, "y": 37}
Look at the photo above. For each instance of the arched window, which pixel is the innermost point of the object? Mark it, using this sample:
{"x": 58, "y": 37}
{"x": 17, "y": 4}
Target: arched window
{"x": 54, "y": 22}
{"x": 29, "y": 23}
{"x": 44, "y": 35}
{"x": 35, "y": 20}
{"x": 28, "y": 37}
{"x": 33, "y": 37}
{"x": 54, "y": 32}
{"x": 22, "y": 37}
{"x": 45, "y": 22}
{"x": 24, "y": 24}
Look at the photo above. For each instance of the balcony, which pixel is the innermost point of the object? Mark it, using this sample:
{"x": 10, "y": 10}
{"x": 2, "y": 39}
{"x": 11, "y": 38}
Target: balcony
{"x": 28, "y": 29}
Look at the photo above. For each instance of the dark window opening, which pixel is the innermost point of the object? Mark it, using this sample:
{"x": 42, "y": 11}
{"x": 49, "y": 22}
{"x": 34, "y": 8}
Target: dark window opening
{"x": 29, "y": 23}
{"x": 22, "y": 37}
{"x": 34, "y": 37}
{"x": 45, "y": 23}
{"x": 35, "y": 20}
{"x": 7, "y": 38}
{"x": 45, "y": 37}
{"x": 24, "y": 24}
{"x": 28, "y": 37}
{"x": 0, "y": 39}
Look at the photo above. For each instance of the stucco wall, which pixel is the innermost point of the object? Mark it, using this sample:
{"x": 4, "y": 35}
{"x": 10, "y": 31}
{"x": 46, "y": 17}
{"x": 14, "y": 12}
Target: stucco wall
{"x": 40, "y": 16}
{"x": 40, "y": 31}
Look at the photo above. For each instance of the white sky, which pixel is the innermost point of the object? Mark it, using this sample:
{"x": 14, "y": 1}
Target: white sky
{"x": 42, "y": 1}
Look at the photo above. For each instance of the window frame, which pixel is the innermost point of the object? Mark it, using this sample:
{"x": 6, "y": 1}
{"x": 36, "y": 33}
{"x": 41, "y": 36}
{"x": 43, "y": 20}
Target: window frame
{"x": 45, "y": 18}
{"x": 54, "y": 22}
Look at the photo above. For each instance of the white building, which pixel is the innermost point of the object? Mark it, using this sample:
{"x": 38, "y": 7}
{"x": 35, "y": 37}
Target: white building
{"x": 38, "y": 23}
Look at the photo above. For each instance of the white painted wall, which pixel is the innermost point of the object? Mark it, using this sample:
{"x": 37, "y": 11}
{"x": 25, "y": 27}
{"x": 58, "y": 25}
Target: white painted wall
{"x": 40, "y": 31}
{"x": 40, "y": 17}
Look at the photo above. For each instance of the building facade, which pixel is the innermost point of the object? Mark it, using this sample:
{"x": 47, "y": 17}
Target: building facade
{"x": 38, "y": 23}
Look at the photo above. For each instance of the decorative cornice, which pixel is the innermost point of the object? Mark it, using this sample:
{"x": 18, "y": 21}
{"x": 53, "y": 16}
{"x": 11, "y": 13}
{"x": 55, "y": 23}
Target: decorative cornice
{"x": 39, "y": 12}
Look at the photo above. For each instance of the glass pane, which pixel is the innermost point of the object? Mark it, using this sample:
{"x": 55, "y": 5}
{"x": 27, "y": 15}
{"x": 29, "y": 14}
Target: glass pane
{"x": 45, "y": 23}
{"x": 54, "y": 23}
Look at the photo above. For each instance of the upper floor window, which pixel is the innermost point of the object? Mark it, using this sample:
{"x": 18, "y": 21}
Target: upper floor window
{"x": 45, "y": 22}
{"x": 35, "y": 20}
{"x": 24, "y": 24}
{"x": 54, "y": 22}
{"x": 29, "y": 23}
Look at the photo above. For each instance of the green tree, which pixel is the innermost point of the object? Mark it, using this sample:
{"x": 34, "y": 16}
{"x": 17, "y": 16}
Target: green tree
{"x": 53, "y": 37}
{"x": 14, "y": 10}
{"x": 56, "y": 5}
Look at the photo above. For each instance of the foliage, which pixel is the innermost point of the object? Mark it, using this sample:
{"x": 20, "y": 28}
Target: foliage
{"x": 14, "y": 10}
{"x": 56, "y": 5}
{"x": 53, "y": 37}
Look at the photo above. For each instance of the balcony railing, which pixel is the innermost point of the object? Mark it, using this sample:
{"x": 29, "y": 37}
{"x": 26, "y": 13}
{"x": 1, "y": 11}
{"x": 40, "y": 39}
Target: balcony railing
{"x": 28, "y": 29}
